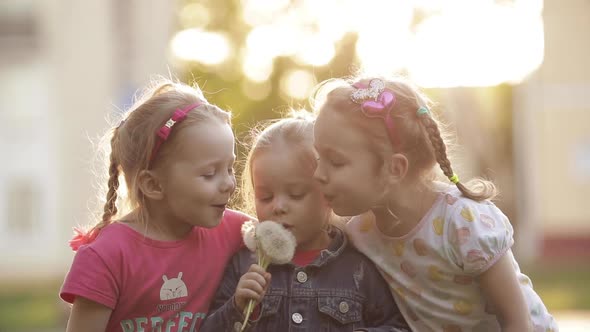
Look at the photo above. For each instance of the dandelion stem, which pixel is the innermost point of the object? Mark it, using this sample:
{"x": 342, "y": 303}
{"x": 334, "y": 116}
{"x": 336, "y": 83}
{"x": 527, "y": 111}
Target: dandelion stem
{"x": 247, "y": 313}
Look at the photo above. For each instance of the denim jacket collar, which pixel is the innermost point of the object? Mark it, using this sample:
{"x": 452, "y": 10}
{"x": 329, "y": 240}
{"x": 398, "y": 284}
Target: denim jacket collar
{"x": 337, "y": 245}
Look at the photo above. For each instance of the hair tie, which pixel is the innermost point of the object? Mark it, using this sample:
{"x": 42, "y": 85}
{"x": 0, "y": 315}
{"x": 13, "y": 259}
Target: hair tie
{"x": 82, "y": 237}
{"x": 454, "y": 179}
{"x": 423, "y": 111}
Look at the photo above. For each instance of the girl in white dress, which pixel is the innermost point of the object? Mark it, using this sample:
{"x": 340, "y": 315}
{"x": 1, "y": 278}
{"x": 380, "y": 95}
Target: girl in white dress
{"x": 444, "y": 249}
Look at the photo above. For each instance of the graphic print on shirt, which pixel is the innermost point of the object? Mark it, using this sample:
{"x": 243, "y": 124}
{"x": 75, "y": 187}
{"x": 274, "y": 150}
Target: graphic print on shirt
{"x": 173, "y": 288}
{"x": 169, "y": 315}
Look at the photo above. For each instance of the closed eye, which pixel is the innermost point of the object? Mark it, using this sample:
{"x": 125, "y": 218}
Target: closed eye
{"x": 298, "y": 196}
{"x": 336, "y": 164}
{"x": 265, "y": 199}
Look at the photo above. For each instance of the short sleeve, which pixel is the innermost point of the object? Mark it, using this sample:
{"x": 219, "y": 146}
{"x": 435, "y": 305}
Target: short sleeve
{"x": 477, "y": 235}
{"x": 230, "y": 230}
{"x": 91, "y": 278}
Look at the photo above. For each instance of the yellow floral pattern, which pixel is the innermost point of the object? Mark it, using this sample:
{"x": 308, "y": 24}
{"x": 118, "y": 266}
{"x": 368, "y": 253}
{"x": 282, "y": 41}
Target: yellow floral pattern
{"x": 467, "y": 214}
{"x": 432, "y": 270}
{"x": 438, "y": 225}
{"x": 398, "y": 248}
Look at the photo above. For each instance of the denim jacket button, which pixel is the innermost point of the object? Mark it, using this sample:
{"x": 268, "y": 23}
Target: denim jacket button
{"x": 301, "y": 276}
{"x": 297, "y": 318}
{"x": 237, "y": 326}
{"x": 343, "y": 307}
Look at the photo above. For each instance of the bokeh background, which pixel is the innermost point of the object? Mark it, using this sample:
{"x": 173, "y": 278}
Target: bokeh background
{"x": 511, "y": 77}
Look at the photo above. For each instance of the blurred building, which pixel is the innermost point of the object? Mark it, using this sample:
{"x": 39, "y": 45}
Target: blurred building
{"x": 552, "y": 139}
{"x": 64, "y": 65}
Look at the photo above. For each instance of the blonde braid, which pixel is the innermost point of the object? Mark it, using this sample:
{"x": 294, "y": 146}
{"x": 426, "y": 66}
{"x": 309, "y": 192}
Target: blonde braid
{"x": 476, "y": 189}
{"x": 110, "y": 207}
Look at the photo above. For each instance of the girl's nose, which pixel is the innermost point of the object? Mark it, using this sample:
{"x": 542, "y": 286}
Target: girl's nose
{"x": 229, "y": 184}
{"x": 319, "y": 175}
{"x": 279, "y": 207}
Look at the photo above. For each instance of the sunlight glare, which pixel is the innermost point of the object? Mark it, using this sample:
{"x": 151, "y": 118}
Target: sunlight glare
{"x": 315, "y": 51}
{"x": 276, "y": 40}
{"x": 256, "y": 91}
{"x": 257, "y": 12}
{"x": 454, "y": 49}
{"x": 298, "y": 83}
{"x": 206, "y": 47}
{"x": 383, "y": 48}
{"x": 257, "y": 66}
{"x": 437, "y": 44}
{"x": 194, "y": 15}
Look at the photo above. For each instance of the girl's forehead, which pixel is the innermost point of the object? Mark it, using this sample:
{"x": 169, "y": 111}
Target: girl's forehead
{"x": 335, "y": 130}
{"x": 206, "y": 142}
{"x": 283, "y": 158}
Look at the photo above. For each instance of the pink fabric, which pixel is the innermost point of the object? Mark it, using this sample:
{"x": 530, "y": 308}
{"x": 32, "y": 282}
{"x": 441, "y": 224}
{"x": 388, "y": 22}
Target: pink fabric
{"x": 82, "y": 237}
{"x": 154, "y": 285}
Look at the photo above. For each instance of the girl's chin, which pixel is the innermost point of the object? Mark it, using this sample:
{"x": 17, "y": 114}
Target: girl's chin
{"x": 345, "y": 211}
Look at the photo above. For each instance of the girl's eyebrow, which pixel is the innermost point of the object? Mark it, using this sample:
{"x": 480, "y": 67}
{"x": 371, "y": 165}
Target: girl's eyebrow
{"x": 335, "y": 153}
{"x": 327, "y": 150}
{"x": 298, "y": 184}
{"x": 217, "y": 162}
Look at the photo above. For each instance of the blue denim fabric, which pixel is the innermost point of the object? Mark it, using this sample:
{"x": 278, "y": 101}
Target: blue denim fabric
{"x": 341, "y": 291}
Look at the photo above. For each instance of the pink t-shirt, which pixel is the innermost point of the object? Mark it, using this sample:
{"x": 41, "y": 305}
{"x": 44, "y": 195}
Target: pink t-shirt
{"x": 154, "y": 285}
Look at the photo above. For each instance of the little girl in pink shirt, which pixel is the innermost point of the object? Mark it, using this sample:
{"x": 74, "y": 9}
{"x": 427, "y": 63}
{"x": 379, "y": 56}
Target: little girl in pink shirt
{"x": 157, "y": 267}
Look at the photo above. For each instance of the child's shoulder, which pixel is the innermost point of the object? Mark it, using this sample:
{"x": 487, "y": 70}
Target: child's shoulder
{"x": 231, "y": 222}
{"x": 242, "y": 259}
{"x": 476, "y": 233}
{"x": 236, "y": 216}
{"x": 355, "y": 262}
{"x": 114, "y": 234}
{"x": 360, "y": 224}
{"x": 351, "y": 254}
{"x": 112, "y": 241}
{"x": 460, "y": 207}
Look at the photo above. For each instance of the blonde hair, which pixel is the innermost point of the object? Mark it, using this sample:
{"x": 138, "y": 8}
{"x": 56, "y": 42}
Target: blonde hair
{"x": 132, "y": 142}
{"x": 419, "y": 137}
{"x": 294, "y": 131}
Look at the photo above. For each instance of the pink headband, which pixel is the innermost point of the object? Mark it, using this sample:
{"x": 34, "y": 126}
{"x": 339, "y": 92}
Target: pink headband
{"x": 166, "y": 129}
{"x": 376, "y": 102}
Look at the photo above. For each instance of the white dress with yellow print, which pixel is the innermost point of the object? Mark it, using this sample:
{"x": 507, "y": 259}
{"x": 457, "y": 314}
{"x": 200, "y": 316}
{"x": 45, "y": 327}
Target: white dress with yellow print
{"x": 432, "y": 269}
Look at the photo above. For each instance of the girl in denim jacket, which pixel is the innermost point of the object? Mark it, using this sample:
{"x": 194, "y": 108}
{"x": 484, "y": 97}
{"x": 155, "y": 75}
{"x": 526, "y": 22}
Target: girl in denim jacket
{"x": 328, "y": 286}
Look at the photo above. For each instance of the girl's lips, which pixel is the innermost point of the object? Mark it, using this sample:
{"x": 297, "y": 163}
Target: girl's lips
{"x": 286, "y": 226}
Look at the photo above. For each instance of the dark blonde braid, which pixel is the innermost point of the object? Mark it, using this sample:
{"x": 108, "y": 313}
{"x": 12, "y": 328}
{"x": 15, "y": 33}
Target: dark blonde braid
{"x": 110, "y": 207}
{"x": 483, "y": 189}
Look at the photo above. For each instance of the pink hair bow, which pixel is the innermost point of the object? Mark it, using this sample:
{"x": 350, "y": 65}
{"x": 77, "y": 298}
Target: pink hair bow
{"x": 376, "y": 102}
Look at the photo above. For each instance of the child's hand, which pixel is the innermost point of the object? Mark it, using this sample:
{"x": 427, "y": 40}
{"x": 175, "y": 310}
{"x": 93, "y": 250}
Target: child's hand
{"x": 252, "y": 285}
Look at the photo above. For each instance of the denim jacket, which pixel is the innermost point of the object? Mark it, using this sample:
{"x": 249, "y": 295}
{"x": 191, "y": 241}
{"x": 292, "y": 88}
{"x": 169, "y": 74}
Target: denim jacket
{"x": 340, "y": 291}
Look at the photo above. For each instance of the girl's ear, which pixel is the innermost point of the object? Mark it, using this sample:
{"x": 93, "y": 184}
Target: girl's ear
{"x": 150, "y": 186}
{"x": 398, "y": 167}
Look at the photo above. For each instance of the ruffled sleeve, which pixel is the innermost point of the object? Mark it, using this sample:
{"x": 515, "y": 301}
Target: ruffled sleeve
{"x": 477, "y": 235}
